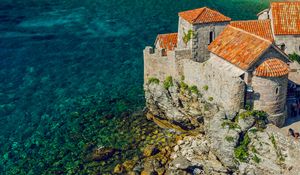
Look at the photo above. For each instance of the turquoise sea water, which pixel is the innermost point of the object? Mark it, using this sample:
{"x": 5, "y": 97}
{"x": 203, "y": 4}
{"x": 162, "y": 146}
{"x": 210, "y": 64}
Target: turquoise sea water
{"x": 71, "y": 71}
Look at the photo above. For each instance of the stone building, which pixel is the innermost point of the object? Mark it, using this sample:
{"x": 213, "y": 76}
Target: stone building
{"x": 285, "y": 22}
{"x": 238, "y": 64}
{"x": 198, "y": 28}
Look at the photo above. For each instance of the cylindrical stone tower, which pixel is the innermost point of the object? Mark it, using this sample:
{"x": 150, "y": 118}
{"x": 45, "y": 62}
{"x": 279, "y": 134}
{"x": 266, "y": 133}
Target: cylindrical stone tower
{"x": 270, "y": 89}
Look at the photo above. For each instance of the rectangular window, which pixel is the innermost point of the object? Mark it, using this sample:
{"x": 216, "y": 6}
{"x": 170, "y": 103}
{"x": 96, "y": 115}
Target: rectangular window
{"x": 211, "y": 37}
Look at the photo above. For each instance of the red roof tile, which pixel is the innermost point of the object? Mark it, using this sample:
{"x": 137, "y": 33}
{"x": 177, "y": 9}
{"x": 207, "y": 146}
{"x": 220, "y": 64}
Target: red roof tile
{"x": 203, "y": 15}
{"x": 272, "y": 67}
{"x": 167, "y": 41}
{"x": 286, "y": 18}
{"x": 239, "y": 47}
{"x": 261, "y": 28}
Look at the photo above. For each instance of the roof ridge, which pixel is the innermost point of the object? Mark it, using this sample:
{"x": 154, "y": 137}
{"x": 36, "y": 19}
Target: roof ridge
{"x": 277, "y": 2}
{"x": 204, "y": 9}
{"x": 259, "y": 37}
{"x": 167, "y": 33}
{"x": 251, "y": 20}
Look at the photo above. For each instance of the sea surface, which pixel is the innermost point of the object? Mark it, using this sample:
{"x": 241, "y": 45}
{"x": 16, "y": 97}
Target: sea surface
{"x": 71, "y": 75}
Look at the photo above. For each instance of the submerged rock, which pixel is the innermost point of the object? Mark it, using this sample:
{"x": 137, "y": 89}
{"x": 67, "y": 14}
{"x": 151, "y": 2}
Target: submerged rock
{"x": 101, "y": 154}
{"x": 150, "y": 150}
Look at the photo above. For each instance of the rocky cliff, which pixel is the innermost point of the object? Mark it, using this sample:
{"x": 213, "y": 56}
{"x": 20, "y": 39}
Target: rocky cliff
{"x": 214, "y": 143}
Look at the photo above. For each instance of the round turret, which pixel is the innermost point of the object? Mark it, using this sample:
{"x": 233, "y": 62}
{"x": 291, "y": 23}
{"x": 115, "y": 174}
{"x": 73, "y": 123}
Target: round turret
{"x": 269, "y": 83}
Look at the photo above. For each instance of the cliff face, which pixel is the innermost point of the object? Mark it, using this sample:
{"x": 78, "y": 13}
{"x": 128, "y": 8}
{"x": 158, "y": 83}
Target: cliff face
{"x": 221, "y": 144}
{"x": 181, "y": 106}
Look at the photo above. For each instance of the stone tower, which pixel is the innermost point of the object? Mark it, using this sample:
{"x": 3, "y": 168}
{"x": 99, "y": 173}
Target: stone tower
{"x": 198, "y": 28}
{"x": 269, "y": 83}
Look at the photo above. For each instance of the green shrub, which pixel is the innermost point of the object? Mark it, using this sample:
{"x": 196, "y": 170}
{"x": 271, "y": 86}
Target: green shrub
{"x": 230, "y": 124}
{"x": 182, "y": 78}
{"x": 153, "y": 80}
{"x": 256, "y": 159}
{"x": 248, "y": 107}
{"x": 229, "y": 139}
{"x": 253, "y": 149}
{"x": 183, "y": 85}
{"x": 260, "y": 117}
{"x": 194, "y": 89}
{"x": 168, "y": 82}
{"x": 210, "y": 98}
{"x": 294, "y": 57}
{"x": 205, "y": 87}
{"x": 241, "y": 152}
{"x": 272, "y": 138}
{"x": 187, "y": 36}
{"x": 253, "y": 130}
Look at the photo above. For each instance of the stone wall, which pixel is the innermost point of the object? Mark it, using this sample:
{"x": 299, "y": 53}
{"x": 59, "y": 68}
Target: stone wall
{"x": 158, "y": 66}
{"x": 270, "y": 96}
{"x": 183, "y": 27}
{"x": 201, "y": 39}
{"x": 218, "y": 81}
{"x": 224, "y": 86}
{"x": 292, "y": 43}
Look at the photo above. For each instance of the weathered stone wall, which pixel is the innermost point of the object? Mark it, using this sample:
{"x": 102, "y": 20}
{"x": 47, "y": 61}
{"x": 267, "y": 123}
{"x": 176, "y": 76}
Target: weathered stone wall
{"x": 183, "y": 27}
{"x": 158, "y": 66}
{"x": 292, "y": 43}
{"x": 270, "y": 96}
{"x": 218, "y": 81}
{"x": 201, "y": 39}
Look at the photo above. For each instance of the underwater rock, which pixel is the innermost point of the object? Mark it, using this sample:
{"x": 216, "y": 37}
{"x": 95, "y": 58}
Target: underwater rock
{"x": 129, "y": 164}
{"x": 101, "y": 154}
{"x": 150, "y": 150}
{"x": 109, "y": 116}
{"x": 119, "y": 169}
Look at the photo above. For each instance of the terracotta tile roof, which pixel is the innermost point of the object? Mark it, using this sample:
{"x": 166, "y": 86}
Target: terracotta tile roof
{"x": 261, "y": 28}
{"x": 203, "y": 15}
{"x": 167, "y": 41}
{"x": 272, "y": 67}
{"x": 239, "y": 47}
{"x": 286, "y": 18}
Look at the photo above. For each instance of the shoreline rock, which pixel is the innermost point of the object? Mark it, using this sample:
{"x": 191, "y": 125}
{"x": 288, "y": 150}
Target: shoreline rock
{"x": 212, "y": 143}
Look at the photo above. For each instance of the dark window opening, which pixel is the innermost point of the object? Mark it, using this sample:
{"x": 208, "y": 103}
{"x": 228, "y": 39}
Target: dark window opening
{"x": 282, "y": 47}
{"x": 211, "y": 37}
{"x": 277, "y": 90}
{"x": 242, "y": 76}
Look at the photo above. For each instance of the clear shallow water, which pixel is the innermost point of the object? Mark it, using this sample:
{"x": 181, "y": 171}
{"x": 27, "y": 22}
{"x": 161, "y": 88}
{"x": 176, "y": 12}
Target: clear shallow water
{"x": 64, "y": 65}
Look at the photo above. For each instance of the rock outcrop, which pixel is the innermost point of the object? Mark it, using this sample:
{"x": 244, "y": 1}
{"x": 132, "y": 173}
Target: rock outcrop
{"x": 179, "y": 105}
{"x": 237, "y": 144}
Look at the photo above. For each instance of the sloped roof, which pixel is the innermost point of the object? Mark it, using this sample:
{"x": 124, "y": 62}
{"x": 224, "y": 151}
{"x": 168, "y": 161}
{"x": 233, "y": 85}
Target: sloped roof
{"x": 261, "y": 28}
{"x": 272, "y": 67}
{"x": 203, "y": 15}
{"x": 286, "y": 18}
{"x": 239, "y": 47}
{"x": 167, "y": 41}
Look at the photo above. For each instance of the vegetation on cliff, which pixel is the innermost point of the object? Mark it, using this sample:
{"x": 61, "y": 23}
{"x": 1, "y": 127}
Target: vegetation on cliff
{"x": 295, "y": 57}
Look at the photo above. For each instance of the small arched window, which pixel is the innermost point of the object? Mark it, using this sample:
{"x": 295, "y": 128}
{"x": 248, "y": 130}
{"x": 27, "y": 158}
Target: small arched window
{"x": 211, "y": 36}
{"x": 277, "y": 90}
